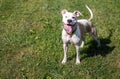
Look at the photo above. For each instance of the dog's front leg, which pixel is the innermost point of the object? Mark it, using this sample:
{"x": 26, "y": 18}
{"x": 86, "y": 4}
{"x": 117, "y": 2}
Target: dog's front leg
{"x": 65, "y": 47}
{"x": 77, "y": 54}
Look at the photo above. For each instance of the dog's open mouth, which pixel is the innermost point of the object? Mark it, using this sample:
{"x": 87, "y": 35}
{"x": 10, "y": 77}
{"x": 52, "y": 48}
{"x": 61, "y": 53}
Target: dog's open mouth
{"x": 69, "y": 24}
{"x": 68, "y": 28}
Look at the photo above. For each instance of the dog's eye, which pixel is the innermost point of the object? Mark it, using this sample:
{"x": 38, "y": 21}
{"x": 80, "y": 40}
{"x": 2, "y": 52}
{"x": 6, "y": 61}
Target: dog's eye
{"x": 73, "y": 17}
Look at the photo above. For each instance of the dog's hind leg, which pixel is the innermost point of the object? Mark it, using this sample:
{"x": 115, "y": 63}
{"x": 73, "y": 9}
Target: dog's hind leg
{"x": 94, "y": 35}
{"x": 83, "y": 42}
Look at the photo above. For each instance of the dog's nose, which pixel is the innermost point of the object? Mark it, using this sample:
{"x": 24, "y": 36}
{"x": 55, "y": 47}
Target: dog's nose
{"x": 69, "y": 20}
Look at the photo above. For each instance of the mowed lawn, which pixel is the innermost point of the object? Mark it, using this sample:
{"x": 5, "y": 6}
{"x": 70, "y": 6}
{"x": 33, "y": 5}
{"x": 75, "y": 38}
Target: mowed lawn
{"x": 31, "y": 45}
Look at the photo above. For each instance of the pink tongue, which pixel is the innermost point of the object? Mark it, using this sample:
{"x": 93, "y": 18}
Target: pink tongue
{"x": 68, "y": 28}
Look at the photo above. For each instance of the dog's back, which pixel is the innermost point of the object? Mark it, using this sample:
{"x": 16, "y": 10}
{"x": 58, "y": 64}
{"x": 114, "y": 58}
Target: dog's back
{"x": 85, "y": 26}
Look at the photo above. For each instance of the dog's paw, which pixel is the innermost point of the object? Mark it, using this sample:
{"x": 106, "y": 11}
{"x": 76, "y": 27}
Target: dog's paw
{"x": 81, "y": 46}
{"x": 77, "y": 62}
{"x": 63, "y": 62}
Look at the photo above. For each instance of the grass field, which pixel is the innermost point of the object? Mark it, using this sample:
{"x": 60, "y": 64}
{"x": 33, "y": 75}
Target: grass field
{"x": 31, "y": 45}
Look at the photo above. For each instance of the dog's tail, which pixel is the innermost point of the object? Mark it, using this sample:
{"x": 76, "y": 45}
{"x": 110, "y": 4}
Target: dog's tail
{"x": 91, "y": 13}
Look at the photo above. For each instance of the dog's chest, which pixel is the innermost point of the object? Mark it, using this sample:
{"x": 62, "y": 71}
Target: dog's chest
{"x": 69, "y": 39}
{"x": 74, "y": 39}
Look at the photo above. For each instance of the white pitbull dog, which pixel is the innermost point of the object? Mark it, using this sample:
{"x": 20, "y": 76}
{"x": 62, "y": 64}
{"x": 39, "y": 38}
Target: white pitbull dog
{"x": 73, "y": 31}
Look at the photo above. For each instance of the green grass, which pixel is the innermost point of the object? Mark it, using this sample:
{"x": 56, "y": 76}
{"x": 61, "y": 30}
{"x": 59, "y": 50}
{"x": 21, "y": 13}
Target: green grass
{"x": 31, "y": 45}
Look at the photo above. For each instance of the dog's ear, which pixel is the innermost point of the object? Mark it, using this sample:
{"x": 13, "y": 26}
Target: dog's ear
{"x": 77, "y": 13}
{"x": 64, "y": 11}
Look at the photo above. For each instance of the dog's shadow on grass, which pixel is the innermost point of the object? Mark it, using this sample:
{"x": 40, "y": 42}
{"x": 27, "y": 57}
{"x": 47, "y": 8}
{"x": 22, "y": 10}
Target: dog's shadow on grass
{"x": 92, "y": 50}
{"x": 103, "y": 50}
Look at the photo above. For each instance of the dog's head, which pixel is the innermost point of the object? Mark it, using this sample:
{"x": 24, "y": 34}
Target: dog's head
{"x": 69, "y": 19}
